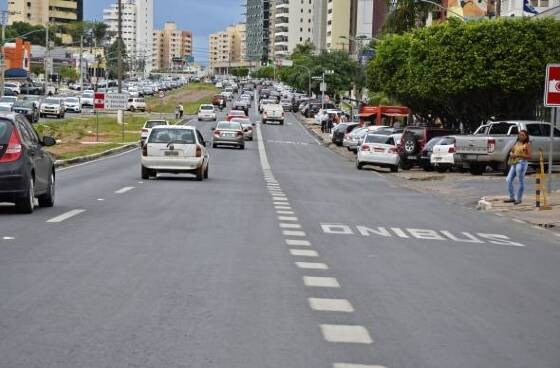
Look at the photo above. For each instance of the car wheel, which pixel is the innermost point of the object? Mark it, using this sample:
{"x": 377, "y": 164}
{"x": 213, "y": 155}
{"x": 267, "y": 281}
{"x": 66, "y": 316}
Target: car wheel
{"x": 410, "y": 144}
{"x": 242, "y": 147}
{"x": 359, "y": 165}
{"x": 47, "y": 199}
{"x": 395, "y": 168}
{"x": 405, "y": 165}
{"x": 441, "y": 169}
{"x": 264, "y": 121}
{"x": 145, "y": 173}
{"x": 132, "y": 109}
{"x": 26, "y": 204}
{"x": 477, "y": 169}
{"x": 200, "y": 173}
{"x": 206, "y": 171}
{"x": 427, "y": 167}
{"x": 214, "y": 145}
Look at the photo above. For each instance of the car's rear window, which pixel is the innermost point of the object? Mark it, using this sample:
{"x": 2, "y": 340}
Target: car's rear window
{"x": 151, "y": 124}
{"x": 138, "y": 100}
{"x": 172, "y": 135}
{"x": 207, "y": 107}
{"x": 5, "y": 131}
{"x": 232, "y": 126}
{"x": 383, "y": 139}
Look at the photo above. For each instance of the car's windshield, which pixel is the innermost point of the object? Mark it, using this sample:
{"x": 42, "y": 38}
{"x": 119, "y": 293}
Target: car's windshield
{"x": 26, "y": 104}
{"x": 433, "y": 142}
{"x": 207, "y": 107}
{"x": 172, "y": 135}
{"x": 229, "y": 126}
{"x": 52, "y": 101}
{"x": 72, "y": 99}
{"x": 376, "y": 138}
{"x": 8, "y": 99}
{"x": 153, "y": 123}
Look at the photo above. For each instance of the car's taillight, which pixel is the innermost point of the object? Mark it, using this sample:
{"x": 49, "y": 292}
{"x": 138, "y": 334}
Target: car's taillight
{"x": 365, "y": 147}
{"x": 239, "y": 133}
{"x": 393, "y": 150}
{"x": 217, "y": 133}
{"x": 13, "y": 151}
{"x": 145, "y": 149}
{"x": 491, "y": 145}
{"x": 144, "y": 130}
{"x": 198, "y": 151}
{"x": 451, "y": 149}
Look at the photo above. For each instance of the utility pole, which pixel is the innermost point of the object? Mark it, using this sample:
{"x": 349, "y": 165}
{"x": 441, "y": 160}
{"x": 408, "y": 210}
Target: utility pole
{"x": 120, "y": 119}
{"x": 2, "y": 61}
{"x": 81, "y": 61}
{"x": 47, "y": 64}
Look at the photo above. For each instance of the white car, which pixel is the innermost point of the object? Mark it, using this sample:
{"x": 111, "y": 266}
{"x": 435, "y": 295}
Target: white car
{"x": 174, "y": 149}
{"x": 87, "y": 99}
{"x": 8, "y": 101}
{"x": 15, "y": 87}
{"x": 53, "y": 106}
{"x": 247, "y": 126}
{"x": 324, "y": 114}
{"x": 73, "y": 104}
{"x": 378, "y": 150}
{"x": 147, "y": 128}
{"x": 207, "y": 112}
{"x": 136, "y": 104}
{"x": 273, "y": 112}
{"x": 443, "y": 154}
{"x": 353, "y": 139}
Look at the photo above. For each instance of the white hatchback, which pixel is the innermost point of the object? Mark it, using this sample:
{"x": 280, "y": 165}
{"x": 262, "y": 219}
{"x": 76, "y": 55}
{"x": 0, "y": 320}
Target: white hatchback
{"x": 443, "y": 154}
{"x": 175, "y": 149}
{"x": 148, "y": 125}
{"x": 378, "y": 150}
{"x": 206, "y": 112}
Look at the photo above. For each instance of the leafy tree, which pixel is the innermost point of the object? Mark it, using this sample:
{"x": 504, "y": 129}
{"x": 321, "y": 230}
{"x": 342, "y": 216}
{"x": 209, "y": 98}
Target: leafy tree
{"x": 240, "y": 72}
{"x": 112, "y": 59}
{"x": 264, "y": 72}
{"x": 467, "y": 72}
{"x": 68, "y": 73}
{"x": 37, "y": 34}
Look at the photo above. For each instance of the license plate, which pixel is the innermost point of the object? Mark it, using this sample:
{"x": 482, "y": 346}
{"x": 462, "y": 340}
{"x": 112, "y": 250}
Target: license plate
{"x": 171, "y": 153}
{"x": 471, "y": 157}
{"x": 230, "y": 135}
{"x": 412, "y": 157}
{"x": 437, "y": 158}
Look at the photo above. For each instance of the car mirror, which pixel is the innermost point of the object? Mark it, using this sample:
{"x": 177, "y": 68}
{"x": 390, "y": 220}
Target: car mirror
{"x": 48, "y": 141}
{"x": 203, "y": 143}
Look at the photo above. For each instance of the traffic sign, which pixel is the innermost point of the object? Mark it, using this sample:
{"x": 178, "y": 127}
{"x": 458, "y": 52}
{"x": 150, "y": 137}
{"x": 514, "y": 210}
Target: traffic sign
{"x": 552, "y": 86}
{"x": 99, "y": 100}
{"x": 116, "y": 101}
{"x": 323, "y": 87}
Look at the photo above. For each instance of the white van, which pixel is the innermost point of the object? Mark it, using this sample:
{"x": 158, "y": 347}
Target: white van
{"x": 273, "y": 112}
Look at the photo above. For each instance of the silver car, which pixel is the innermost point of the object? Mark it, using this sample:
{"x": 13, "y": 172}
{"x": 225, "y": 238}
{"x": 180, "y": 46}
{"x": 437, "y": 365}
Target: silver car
{"x": 247, "y": 126}
{"x": 228, "y": 133}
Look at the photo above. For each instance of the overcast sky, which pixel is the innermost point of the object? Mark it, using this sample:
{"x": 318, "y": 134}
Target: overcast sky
{"x": 200, "y": 16}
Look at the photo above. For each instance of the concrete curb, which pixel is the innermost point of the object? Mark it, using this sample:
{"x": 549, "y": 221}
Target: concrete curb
{"x": 82, "y": 159}
{"x": 313, "y": 133}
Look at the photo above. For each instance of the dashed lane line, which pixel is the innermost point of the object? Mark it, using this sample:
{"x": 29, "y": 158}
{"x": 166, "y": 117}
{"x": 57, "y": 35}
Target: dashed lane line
{"x": 295, "y": 242}
{"x": 293, "y": 233}
{"x": 65, "y": 216}
{"x": 312, "y": 266}
{"x": 330, "y": 305}
{"x": 350, "y": 365}
{"x": 287, "y": 218}
{"x": 124, "y": 190}
{"x": 346, "y": 334}
{"x": 285, "y": 212}
{"x": 283, "y": 207}
{"x": 304, "y": 253}
{"x": 289, "y": 226}
{"x": 8, "y": 238}
{"x": 326, "y": 282}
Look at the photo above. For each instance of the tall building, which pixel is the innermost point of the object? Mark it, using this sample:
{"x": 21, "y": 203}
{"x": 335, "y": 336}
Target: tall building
{"x": 228, "y": 49}
{"x": 319, "y": 29}
{"x": 293, "y": 25}
{"x": 257, "y": 21}
{"x": 45, "y": 11}
{"x": 339, "y": 24}
{"x": 137, "y": 30}
{"x": 172, "y": 47}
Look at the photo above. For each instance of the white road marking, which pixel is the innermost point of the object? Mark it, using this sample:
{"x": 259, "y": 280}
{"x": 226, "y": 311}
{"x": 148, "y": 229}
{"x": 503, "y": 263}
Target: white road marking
{"x": 304, "y": 243}
{"x": 518, "y": 221}
{"x": 279, "y": 199}
{"x": 330, "y": 305}
{"x": 8, "y": 238}
{"x": 65, "y": 216}
{"x": 329, "y": 282}
{"x": 140, "y": 182}
{"x": 100, "y": 159}
{"x": 312, "y": 266}
{"x": 346, "y": 334}
{"x": 289, "y": 226}
{"x": 265, "y": 165}
{"x": 124, "y": 190}
{"x": 304, "y": 253}
{"x": 285, "y": 212}
{"x": 281, "y": 203}
{"x": 100, "y": 199}
{"x": 283, "y": 207}
{"x": 293, "y": 233}
{"x": 287, "y": 218}
{"x": 350, "y": 365}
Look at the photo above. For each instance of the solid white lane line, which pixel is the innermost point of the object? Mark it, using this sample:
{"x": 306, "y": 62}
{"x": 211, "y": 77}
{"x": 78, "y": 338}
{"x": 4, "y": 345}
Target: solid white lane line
{"x": 283, "y": 208}
{"x": 289, "y": 226}
{"x": 350, "y": 365}
{"x": 65, "y": 216}
{"x": 329, "y": 282}
{"x": 304, "y": 253}
{"x": 285, "y": 212}
{"x": 124, "y": 190}
{"x": 293, "y": 233}
{"x": 95, "y": 161}
{"x": 304, "y": 243}
{"x": 312, "y": 266}
{"x": 330, "y": 305}
{"x": 346, "y": 334}
{"x": 265, "y": 165}
{"x": 287, "y": 218}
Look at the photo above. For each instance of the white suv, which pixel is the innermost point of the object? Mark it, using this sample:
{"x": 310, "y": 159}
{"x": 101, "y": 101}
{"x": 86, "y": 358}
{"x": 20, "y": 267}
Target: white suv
{"x": 206, "y": 112}
{"x": 175, "y": 149}
{"x": 273, "y": 112}
{"x": 136, "y": 103}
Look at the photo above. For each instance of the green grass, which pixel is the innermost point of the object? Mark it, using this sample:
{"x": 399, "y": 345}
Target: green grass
{"x": 181, "y": 95}
{"x": 63, "y": 152}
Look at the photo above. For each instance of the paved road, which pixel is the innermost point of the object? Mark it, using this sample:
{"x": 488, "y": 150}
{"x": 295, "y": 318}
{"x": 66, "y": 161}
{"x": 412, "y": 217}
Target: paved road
{"x": 287, "y": 257}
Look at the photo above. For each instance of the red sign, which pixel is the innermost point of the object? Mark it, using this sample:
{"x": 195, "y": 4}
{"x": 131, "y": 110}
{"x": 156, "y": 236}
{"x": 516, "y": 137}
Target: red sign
{"x": 99, "y": 100}
{"x": 552, "y": 86}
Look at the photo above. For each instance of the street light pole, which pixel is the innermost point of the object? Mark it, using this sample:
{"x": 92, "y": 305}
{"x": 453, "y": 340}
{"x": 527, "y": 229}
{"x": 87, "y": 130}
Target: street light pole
{"x": 119, "y": 46}
{"x": 81, "y": 67}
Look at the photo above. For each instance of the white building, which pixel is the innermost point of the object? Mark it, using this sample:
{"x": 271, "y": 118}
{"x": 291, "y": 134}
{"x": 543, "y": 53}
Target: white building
{"x": 514, "y": 8}
{"x": 137, "y": 29}
{"x": 293, "y": 25}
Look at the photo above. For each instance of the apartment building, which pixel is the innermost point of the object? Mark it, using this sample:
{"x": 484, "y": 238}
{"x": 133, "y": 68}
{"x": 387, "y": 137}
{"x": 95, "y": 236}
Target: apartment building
{"x": 293, "y": 25}
{"x": 258, "y": 30}
{"x": 339, "y": 24}
{"x": 137, "y": 30}
{"x": 228, "y": 49}
{"x": 45, "y": 11}
{"x": 172, "y": 47}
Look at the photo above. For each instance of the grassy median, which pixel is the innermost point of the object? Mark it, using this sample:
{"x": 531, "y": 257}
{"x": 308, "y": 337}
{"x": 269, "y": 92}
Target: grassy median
{"x": 191, "y": 97}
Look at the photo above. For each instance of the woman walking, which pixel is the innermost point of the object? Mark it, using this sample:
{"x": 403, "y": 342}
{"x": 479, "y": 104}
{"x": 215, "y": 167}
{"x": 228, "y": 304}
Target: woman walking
{"x": 518, "y": 159}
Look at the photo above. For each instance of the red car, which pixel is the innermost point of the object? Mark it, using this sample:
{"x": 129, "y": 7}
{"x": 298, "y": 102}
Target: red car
{"x": 235, "y": 114}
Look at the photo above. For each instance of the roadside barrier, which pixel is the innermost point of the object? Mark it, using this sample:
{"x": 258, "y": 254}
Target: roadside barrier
{"x": 540, "y": 196}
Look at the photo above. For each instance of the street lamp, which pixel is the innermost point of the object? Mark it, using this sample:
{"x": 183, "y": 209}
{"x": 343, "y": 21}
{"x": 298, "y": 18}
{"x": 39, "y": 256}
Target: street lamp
{"x": 323, "y": 86}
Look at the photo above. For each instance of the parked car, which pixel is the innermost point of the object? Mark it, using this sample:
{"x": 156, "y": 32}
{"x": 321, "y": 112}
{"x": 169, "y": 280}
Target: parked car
{"x": 247, "y": 125}
{"x": 73, "y": 104}
{"x": 13, "y": 86}
{"x": 32, "y": 89}
{"x": 379, "y": 150}
{"x": 341, "y": 130}
{"x": 424, "y": 160}
{"x": 414, "y": 139}
{"x": 228, "y": 133}
{"x": 175, "y": 149}
{"x": 8, "y": 101}
{"x": 273, "y": 112}
{"x": 27, "y": 109}
{"x": 443, "y": 155}
{"x": 491, "y": 144}
{"x": 136, "y": 104}
{"x": 53, "y": 106}
{"x": 206, "y": 112}
{"x": 353, "y": 139}
{"x": 147, "y": 128}
{"x": 313, "y": 108}
{"x": 26, "y": 168}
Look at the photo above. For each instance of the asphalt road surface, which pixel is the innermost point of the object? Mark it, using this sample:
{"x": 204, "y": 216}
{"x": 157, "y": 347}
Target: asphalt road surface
{"x": 286, "y": 257}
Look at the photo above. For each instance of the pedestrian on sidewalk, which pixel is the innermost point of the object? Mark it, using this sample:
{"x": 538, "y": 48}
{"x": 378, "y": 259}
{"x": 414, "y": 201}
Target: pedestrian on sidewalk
{"x": 181, "y": 111}
{"x": 519, "y": 160}
{"x": 177, "y": 112}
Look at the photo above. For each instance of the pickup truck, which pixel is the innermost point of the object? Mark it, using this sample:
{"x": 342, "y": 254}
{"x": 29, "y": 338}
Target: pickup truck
{"x": 491, "y": 144}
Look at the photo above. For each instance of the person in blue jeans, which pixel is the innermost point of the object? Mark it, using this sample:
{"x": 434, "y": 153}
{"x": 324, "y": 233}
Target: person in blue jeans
{"x": 518, "y": 159}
